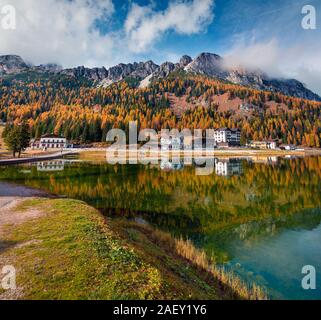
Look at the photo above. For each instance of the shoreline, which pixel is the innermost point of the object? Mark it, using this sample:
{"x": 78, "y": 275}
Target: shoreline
{"x": 95, "y": 154}
{"x": 134, "y": 255}
{"x": 46, "y": 157}
{"x": 154, "y": 155}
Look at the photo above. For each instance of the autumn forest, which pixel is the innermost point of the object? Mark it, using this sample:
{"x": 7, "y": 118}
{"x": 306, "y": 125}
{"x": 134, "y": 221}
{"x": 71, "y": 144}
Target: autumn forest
{"x": 83, "y": 113}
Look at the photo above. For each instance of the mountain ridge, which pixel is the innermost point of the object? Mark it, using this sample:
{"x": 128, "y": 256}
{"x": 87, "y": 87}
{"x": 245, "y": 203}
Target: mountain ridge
{"x": 207, "y": 64}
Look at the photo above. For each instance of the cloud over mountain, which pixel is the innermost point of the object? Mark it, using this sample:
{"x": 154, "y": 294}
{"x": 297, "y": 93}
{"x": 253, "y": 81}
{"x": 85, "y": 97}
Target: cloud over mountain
{"x": 297, "y": 60}
{"x": 258, "y": 35}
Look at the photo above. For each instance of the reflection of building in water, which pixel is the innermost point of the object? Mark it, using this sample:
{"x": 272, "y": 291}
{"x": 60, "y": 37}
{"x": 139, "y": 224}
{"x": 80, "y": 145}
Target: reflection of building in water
{"x": 48, "y": 166}
{"x": 228, "y": 167}
{"x": 176, "y": 142}
{"x": 172, "y": 143}
{"x": 273, "y": 160}
{"x": 169, "y": 165}
{"x": 265, "y": 160}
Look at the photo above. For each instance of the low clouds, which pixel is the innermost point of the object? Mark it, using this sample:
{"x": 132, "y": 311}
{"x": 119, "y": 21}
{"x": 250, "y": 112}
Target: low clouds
{"x": 144, "y": 25}
{"x": 278, "y": 45}
{"x": 299, "y": 61}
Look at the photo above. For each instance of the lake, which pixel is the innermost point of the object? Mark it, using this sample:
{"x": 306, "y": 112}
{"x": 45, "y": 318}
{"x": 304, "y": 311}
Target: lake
{"x": 260, "y": 217}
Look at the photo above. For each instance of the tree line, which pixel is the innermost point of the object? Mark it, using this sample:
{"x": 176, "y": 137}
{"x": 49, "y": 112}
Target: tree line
{"x": 85, "y": 114}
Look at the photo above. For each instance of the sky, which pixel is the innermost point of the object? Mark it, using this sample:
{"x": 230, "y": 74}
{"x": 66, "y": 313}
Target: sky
{"x": 256, "y": 34}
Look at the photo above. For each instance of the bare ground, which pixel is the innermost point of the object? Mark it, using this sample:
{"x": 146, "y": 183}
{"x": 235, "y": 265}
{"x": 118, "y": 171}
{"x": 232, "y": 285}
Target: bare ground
{"x": 11, "y": 196}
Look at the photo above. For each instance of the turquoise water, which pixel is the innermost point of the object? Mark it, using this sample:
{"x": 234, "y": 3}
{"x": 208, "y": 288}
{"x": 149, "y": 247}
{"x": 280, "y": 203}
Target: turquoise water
{"x": 261, "y": 217}
{"x": 275, "y": 258}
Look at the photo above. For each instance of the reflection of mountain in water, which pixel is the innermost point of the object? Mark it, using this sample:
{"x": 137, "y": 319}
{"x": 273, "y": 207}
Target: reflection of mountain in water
{"x": 250, "y": 212}
{"x": 219, "y": 241}
{"x": 307, "y": 220}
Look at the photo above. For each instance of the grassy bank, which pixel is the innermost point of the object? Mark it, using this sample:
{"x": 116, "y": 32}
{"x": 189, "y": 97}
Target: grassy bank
{"x": 69, "y": 251}
{"x": 147, "y": 239}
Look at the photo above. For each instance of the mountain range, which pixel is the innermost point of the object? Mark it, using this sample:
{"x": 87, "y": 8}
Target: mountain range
{"x": 206, "y": 64}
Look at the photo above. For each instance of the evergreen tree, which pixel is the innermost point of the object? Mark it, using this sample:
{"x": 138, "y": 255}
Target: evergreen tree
{"x": 17, "y": 138}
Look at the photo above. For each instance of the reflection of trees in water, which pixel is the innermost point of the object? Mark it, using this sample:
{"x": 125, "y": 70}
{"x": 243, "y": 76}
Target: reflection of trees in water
{"x": 183, "y": 202}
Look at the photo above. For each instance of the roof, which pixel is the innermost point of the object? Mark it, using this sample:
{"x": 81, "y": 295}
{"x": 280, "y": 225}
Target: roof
{"x": 51, "y": 136}
{"x": 263, "y": 141}
{"x": 287, "y": 145}
{"x": 258, "y": 141}
{"x": 228, "y": 129}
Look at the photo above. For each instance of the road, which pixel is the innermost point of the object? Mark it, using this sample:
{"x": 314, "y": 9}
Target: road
{"x": 53, "y": 156}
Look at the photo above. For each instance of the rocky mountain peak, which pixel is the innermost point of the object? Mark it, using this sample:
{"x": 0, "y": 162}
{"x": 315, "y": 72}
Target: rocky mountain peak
{"x": 184, "y": 61}
{"x": 94, "y": 74}
{"x": 50, "y": 68}
{"x": 207, "y": 63}
{"x": 144, "y": 69}
{"x": 11, "y": 64}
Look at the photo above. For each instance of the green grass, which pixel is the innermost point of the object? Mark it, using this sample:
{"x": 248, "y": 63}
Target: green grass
{"x": 157, "y": 243}
{"x": 72, "y": 253}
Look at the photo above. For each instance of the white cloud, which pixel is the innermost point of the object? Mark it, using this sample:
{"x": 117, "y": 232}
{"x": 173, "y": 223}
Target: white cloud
{"x": 59, "y": 31}
{"x": 298, "y": 61}
{"x": 261, "y": 55}
{"x": 271, "y": 38}
{"x": 65, "y": 31}
{"x": 144, "y": 26}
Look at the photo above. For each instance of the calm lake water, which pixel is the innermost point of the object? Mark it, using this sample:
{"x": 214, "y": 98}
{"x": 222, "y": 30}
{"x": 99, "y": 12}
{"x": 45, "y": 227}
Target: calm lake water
{"x": 259, "y": 217}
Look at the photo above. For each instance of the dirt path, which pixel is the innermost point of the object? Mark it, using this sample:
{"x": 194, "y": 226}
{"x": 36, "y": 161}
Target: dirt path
{"x": 12, "y": 196}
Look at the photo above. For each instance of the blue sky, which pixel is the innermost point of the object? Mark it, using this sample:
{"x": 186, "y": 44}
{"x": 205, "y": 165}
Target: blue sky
{"x": 250, "y": 21}
{"x": 254, "y": 33}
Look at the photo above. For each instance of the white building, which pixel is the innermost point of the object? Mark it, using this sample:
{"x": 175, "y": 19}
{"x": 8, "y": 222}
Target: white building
{"x": 264, "y": 145}
{"x": 231, "y": 137}
{"x": 288, "y": 147}
{"x": 272, "y": 144}
{"x": 50, "y": 141}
